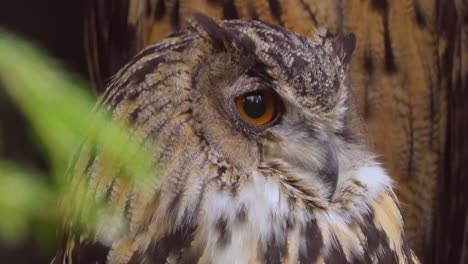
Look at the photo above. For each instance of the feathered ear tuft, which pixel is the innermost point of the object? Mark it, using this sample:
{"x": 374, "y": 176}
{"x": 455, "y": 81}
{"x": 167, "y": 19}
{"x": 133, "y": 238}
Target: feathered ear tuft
{"x": 345, "y": 46}
{"x": 211, "y": 29}
{"x": 220, "y": 35}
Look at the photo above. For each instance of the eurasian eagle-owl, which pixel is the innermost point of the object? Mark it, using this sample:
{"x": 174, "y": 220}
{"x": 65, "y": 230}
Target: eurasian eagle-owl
{"x": 259, "y": 151}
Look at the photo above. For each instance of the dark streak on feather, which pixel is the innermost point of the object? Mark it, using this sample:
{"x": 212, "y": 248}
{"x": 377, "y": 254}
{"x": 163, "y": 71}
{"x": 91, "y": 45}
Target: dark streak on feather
{"x": 368, "y": 63}
{"x": 140, "y": 75}
{"x": 175, "y": 18}
{"x": 229, "y": 10}
{"x": 136, "y": 78}
{"x": 157, "y": 48}
{"x": 221, "y": 171}
{"x": 149, "y": 10}
{"x": 377, "y": 241}
{"x": 179, "y": 184}
{"x": 369, "y": 68}
{"x": 347, "y": 135}
{"x": 200, "y": 198}
{"x": 120, "y": 35}
{"x": 336, "y": 254}
{"x": 374, "y": 236}
{"x": 387, "y": 256}
{"x": 91, "y": 159}
{"x": 329, "y": 172}
{"x": 309, "y": 12}
{"x": 273, "y": 250}
{"x": 411, "y": 139}
{"x": 150, "y": 66}
{"x": 432, "y": 115}
{"x": 346, "y": 132}
{"x": 224, "y": 234}
{"x": 420, "y": 20}
{"x": 223, "y": 37}
{"x": 382, "y": 7}
{"x": 89, "y": 252}
{"x": 108, "y": 39}
{"x": 156, "y": 130}
{"x": 137, "y": 257}
{"x": 142, "y": 108}
{"x": 160, "y": 10}
{"x": 452, "y": 181}
{"x": 406, "y": 249}
{"x": 133, "y": 116}
{"x": 190, "y": 255}
{"x": 128, "y": 207}
{"x": 275, "y": 9}
{"x": 241, "y": 215}
{"x": 133, "y": 94}
{"x": 313, "y": 243}
{"x": 173, "y": 242}
{"x": 109, "y": 190}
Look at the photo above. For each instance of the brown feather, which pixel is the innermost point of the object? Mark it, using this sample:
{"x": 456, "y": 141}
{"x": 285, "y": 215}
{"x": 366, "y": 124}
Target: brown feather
{"x": 409, "y": 76}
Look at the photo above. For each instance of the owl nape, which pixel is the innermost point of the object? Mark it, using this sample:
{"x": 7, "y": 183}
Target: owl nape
{"x": 260, "y": 155}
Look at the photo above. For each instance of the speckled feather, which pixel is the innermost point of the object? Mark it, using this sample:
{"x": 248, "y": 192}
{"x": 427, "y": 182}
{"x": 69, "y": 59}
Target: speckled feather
{"x": 408, "y": 76}
{"x": 302, "y": 191}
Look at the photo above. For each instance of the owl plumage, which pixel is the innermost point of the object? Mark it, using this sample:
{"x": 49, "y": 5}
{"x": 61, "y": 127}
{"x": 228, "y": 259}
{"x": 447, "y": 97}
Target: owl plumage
{"x": 409, "y": 83}
{"x": 300, "y": 188}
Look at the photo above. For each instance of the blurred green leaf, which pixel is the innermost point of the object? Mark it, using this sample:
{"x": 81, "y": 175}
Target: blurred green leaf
{"x": 61, "y": 113}
{"x": 23, "y": 198}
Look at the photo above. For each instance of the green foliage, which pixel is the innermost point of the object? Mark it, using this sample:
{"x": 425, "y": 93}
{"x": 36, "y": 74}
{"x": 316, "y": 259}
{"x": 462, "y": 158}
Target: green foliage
{"x": 22, "y": 198}
{"x": 61, "y": 113}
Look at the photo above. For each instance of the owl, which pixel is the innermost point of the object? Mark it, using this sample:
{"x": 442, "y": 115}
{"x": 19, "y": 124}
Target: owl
{"x": 409, "y": 79}
{"x": 260, "y": 154}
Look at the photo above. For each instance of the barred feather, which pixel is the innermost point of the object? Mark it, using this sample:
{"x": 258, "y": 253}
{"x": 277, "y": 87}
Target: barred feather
{"x": 407, "y": 79}
{"x": 306, "y": 190}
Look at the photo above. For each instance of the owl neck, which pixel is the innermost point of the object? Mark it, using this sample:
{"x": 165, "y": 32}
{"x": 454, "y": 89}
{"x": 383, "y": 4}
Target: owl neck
{"x": 267, "y": 219}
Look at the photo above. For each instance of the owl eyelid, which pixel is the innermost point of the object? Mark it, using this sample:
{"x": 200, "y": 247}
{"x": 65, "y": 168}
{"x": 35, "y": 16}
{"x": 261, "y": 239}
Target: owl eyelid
{"x": 249, "y": 85}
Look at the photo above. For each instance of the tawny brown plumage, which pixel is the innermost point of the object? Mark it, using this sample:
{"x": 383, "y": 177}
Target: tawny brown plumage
{"x": 409, "y": 62}
{"x": 298, "y": 187}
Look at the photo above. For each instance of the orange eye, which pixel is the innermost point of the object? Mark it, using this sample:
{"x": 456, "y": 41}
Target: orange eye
{"x": 257, "y": 108}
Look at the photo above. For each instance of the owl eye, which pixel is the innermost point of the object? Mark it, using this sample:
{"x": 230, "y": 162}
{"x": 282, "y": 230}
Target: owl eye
{"x": 258, "y": 108}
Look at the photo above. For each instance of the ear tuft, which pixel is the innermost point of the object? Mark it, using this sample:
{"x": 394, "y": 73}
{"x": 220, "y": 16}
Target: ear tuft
{"x": 345, "y": 46}
{"x": 220, "y": 35}
{"x": 210, "y": 29}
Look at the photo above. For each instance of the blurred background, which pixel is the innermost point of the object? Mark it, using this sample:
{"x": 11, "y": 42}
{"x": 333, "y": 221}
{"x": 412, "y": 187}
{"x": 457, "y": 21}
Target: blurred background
{"x": 56, "y": 27}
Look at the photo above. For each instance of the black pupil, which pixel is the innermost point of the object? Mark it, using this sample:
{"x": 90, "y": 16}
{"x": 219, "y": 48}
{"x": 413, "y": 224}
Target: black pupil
{"x": 255, "y": 105}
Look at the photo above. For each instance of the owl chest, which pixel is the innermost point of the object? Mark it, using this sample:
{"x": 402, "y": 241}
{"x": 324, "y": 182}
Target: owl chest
{"x": 256, "y": 224}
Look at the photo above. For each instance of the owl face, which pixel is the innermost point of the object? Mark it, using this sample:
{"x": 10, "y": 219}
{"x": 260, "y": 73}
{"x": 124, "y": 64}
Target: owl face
{"x": 251, "y": 129}
{"x": 278, "y": 98}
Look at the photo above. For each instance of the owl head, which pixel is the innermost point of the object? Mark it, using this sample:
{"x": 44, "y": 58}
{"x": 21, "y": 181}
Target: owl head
{"x": 269, "y": 98}
{"x": 258, "y": 149}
